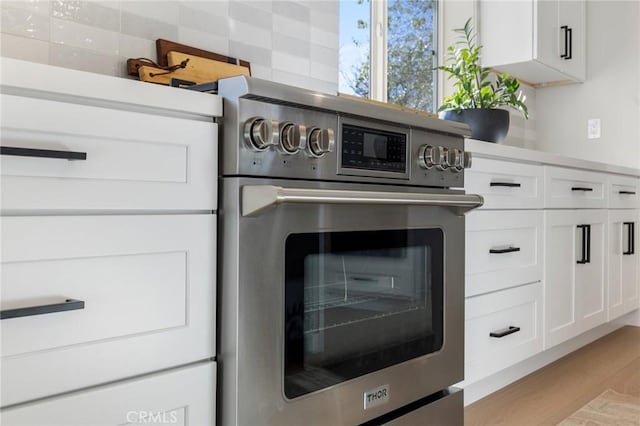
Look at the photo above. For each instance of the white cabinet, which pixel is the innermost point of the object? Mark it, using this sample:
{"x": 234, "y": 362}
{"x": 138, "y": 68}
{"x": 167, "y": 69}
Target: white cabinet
{"x": 183, "y": 396}
{"x": 570, "y": 188}
{"x": 501, "y": 329}
{"x": 575, "y": 256}
{"x": 623, "y": 262}
{"x": 148, "y": 291}
{"x": 505, "y": 184}
{"x": 503, "y": 249}
{"x": 78, "y": 157}
{"x": 542, "y": 41}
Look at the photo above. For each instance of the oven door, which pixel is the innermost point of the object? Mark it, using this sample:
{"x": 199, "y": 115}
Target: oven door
{"x": 344, "y": 302}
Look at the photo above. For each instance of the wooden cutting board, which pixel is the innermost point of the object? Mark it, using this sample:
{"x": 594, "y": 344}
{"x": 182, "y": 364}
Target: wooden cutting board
{"x": 163, "y": 47}
{"x": 208, "y": 69}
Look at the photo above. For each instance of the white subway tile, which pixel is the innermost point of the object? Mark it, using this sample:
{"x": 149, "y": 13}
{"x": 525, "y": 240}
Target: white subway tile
{"x": 324, "y": 38}
{"x": 202, "y": 40}
{"x": 84, "y": 36}
{"x": 27, "y": 49}
{"x": 260, "y": 71}
{"x": 291, "y": 28}
{"x": 84, "y": 60}
{"x": 285, "y": 62}
{"x": 24, "y": 23}
{"x": 164, "y": 11}
{"x": 96, "y": 14}
{"x": 322, "y": 72}
{"x": 213, "y": 7}
{"x": 42, "y": 7}
{"x": 246, "y": 33}
{"x": 136, "y": 47}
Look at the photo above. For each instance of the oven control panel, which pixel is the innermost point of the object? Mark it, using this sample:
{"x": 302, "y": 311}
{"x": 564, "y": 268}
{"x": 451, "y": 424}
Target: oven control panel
{"x": 291, "y": 142}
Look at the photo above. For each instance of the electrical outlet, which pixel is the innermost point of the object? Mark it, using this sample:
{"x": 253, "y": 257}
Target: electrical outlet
{"x": 593, "y": 128}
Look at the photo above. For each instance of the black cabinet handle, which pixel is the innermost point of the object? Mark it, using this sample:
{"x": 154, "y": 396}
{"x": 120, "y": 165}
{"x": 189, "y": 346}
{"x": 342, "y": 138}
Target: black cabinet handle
{"x": 627, "y": 192}
{"x": 507, "y": 184}
{"x": 67, "y": 305}
{"x": 570, "y": 33}
{"x": 565, "y": 29}
{"x": 504, "y": 250}
{"x": 581, "y": 188}
{"x": 504, "y": 332}
{"x": 631, "y": 238}
{"x": 586, "y": 244}
{"x": 42, "y": 153}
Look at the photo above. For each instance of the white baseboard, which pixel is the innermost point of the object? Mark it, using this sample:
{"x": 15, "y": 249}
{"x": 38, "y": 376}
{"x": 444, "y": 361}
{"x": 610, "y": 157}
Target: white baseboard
{"x": 480, "y": 389}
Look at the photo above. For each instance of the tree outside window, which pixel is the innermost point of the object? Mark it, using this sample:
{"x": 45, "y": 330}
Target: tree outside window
{"x": 393, "y": 62}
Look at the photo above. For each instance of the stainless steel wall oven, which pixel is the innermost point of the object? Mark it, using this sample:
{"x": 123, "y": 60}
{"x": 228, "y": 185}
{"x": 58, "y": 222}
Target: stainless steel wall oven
{"x": 341, "y": 261}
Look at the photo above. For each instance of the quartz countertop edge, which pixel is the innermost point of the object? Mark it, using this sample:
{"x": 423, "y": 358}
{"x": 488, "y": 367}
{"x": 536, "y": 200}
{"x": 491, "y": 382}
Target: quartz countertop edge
{"x": 503, "y": 152}
{"x": 50, "y": 82}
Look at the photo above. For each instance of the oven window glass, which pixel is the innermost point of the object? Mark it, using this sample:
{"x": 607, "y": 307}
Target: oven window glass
{"x": 357, "y": 302}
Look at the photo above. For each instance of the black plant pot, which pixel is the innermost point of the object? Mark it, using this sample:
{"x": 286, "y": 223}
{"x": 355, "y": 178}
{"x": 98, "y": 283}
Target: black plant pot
{"x": 486, "y": 124}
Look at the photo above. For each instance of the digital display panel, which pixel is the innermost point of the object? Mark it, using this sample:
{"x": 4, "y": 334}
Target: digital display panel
{"x": 373, "y": 149}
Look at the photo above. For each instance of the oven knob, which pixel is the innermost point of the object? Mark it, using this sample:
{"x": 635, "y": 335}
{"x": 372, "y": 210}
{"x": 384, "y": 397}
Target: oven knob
{"x": 466, "y": 160}
{"x": 320, "y": 141}
{"x": 425, "y": 157}
{"x": 260, "y": 133}
{"x": 292, "y": 138}
{"x": 441, "y": 158}
{"x": 455, "y": 160}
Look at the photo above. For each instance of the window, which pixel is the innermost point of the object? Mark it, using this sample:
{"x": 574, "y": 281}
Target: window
{"x": 388, "y": 51}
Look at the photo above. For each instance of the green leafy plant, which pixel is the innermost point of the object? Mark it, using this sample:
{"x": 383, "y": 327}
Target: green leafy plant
{"x": 474, "y": 84}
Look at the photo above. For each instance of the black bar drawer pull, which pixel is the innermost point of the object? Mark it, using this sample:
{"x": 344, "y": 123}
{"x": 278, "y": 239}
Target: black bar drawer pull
{"x": 504, "y": 250}
{"x": 570, "y": 34}
{"x": 565, "y": 29}
{"x": 586, "y": 244}
{"x": 506, "y": 184}
{"x": 42, "y": 153}
{"x": 581, "y": 188}
{"x": 627, "y": 192}
{"x": 67, "y": 305}
{"x": 504, "y": 332}
{"x": 631, "y": 238}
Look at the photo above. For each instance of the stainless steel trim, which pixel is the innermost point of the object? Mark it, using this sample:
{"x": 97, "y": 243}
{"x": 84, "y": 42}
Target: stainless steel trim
{"x": 254, "y": 88}
{"x": 258, "y": 198}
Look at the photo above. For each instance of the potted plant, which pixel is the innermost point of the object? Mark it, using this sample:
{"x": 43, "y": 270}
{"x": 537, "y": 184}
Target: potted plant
{"x": 478, "y": 93}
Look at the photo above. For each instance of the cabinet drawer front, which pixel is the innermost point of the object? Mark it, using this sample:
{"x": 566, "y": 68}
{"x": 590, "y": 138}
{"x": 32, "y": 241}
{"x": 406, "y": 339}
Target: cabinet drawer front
{"x": 568, "y": 188}
{"x": 505, "y": 185}
{"x": 503, "y": 249}
{"x": 499, "y": 314}
{"x": 133, "y": 160}
{"x": 624, "y": 192}
{"x": 184, "y": 396}
{"x": 147, "y": 285}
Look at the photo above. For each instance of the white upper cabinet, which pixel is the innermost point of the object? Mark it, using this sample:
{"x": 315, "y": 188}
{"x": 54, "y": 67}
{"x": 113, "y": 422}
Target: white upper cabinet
{"x": 537, "y": 41}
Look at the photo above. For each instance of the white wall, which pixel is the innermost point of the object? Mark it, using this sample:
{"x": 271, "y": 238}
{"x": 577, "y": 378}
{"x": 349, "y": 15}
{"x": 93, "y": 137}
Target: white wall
{"x": 610, "y": 93}
{"x": 293, "y": 42}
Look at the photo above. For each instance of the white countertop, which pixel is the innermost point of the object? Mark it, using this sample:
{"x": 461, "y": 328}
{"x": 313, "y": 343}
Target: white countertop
{"x": 497, "y": 151}
{"x": 46, "y": 81}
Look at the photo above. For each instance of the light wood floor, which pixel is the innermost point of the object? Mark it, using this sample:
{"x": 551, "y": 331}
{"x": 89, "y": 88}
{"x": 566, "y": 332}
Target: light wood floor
{"x": 552, "y": 393}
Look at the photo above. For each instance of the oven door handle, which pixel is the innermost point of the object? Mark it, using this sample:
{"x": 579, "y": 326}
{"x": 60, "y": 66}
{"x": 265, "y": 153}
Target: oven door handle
{"x": 256, "y": 199}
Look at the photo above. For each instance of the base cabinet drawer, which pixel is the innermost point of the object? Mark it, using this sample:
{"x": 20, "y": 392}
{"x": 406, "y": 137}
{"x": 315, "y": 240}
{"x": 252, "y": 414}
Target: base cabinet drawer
{"x": 184, "y": 396}
{"x": 624, "y": 192}
{"x": 505, "y": 185}
{"x": 503, "y": 249}
{"x": 143, "y": 299}
{"x": 79, "y": 157}
{"x": 501, "y": 329}
{"x": 569, "y": 188}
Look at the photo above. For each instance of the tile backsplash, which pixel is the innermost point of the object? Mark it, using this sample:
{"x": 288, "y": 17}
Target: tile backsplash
{"x": 293, "y": 42}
